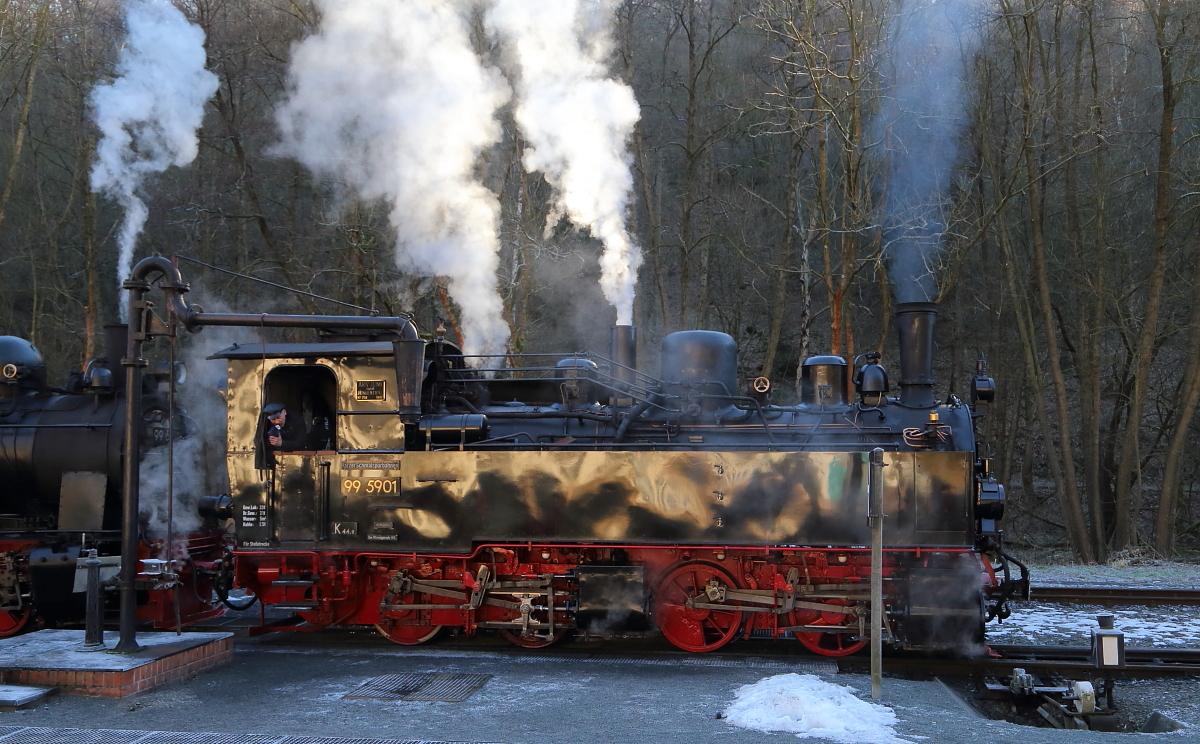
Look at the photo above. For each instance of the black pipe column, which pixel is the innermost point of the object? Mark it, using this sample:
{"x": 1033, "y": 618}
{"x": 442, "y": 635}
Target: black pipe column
{"x": 624, "y": 353}
{"x": 130, "y": 472}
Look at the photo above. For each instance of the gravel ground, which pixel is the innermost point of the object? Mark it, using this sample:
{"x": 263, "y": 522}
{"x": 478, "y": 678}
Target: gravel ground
{"x": 1175, "y": 698}
{"x": 297, "y": 685}
{"x": 1134, "y": 700}
{"x": 1140, "y": 573}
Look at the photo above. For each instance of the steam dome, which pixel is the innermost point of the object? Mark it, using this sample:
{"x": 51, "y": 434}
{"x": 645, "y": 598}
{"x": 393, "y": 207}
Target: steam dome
{"x": 706, "y": 359}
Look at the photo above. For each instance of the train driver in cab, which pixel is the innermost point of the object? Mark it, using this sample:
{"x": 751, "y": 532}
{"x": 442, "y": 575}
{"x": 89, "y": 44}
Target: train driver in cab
{"x": 281, "y": 434}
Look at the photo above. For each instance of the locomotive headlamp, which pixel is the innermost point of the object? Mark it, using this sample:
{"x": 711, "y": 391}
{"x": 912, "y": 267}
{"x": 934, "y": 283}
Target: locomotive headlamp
{"x": 11, "y": 371}
{"x": 983, "y": 388}
{"x": 215, "y": 507}
{"x": 1108, "y": 645}
{"x": 989, "y": 500}
{"x": 164, "y": 368}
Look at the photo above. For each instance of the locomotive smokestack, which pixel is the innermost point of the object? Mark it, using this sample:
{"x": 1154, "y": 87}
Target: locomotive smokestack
{"x": 915, "y": 321}
{"x": 116, "y": 338}
{"x": 624, "y": 352}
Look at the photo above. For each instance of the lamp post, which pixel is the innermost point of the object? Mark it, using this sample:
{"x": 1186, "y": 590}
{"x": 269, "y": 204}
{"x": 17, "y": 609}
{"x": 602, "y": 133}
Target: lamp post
{"x": 875, "y": 519}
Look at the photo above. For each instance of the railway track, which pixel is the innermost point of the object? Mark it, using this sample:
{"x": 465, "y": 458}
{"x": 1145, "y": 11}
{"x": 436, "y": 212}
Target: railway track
{"x": 1066, "y": 660}
{"x": 1094, "y": 595}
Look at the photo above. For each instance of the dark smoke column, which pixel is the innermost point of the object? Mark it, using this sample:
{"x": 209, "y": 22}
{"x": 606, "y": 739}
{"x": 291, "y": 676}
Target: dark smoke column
{"x": 931, "y": 48}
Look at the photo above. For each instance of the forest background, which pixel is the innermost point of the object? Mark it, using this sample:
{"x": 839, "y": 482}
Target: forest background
{"x": 1069, "y": 260}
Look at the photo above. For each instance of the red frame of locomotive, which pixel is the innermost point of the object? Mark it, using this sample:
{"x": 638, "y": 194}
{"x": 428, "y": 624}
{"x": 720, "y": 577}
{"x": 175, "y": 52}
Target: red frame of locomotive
{"x": 356, "y": 588}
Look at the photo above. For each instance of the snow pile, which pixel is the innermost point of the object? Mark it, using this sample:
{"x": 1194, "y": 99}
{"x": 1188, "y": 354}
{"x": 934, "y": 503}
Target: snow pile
{"x": 811, "y": 708}
{"x": 1143, "y": 626}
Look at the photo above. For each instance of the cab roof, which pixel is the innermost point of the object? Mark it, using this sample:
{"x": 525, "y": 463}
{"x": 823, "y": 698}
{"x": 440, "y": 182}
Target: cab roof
{"x": 305, "y": 351}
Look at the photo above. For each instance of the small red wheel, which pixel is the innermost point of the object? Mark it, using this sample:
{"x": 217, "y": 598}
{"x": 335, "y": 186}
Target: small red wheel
{"x": 13, "y": 621}
{"x": 532, "y": 641}
{"x": 825, "y": 644}
{"x": 693, "y": 628}
{"x": 406, "y": 635}
{"x": 407, "y": 627}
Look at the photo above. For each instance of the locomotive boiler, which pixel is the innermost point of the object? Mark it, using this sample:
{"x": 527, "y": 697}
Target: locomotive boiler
{"x": 61, "y": 453}
{"x": 537, "y": 495}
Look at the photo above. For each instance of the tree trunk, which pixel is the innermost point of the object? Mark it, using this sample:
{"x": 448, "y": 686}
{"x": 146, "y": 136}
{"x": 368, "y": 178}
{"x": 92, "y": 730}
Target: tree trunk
{"x": 793, "y": 223}
{"x": 1128, "y": 470}
{"x": 1025, "y": 325}
{"x": 18, "y": 144}
{"x": 1164, "y": 524}
{"x": 1065, "y": 479}
{"x": 91, "y": 311}
{"x": 1091, "y": 388}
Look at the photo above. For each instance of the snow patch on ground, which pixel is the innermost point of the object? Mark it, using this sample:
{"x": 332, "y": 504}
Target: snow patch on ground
{"x": 811, "y": 708}
{"x": 1164, "y": 627}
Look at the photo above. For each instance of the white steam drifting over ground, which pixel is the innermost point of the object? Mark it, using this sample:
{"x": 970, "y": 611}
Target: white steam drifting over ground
{"x": 812, "y": 708}
{"x": 577, "y": 121}
{"x": 200, "y": 457}
{"x": 149, "y": 115}
{"x": 391, "y": 98}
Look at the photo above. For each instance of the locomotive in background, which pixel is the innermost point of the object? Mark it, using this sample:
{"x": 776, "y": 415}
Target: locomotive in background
{"x": 60, "y": 475}
{"x": 538, "y": 495}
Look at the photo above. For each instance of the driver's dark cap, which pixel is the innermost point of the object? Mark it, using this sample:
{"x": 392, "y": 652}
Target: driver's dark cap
{"x": 271, "y": 410}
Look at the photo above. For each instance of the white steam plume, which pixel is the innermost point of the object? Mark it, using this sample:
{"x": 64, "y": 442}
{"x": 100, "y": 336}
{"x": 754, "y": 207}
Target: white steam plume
{"x": 149, "y": 115}
{"x": 391, "y": 98}
{"x": 578, "y": 122}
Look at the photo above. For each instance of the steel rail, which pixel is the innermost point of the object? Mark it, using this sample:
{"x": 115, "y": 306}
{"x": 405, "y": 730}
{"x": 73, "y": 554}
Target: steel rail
{"x": 1069, "y": 661}
{"x": 1113, "y": 595}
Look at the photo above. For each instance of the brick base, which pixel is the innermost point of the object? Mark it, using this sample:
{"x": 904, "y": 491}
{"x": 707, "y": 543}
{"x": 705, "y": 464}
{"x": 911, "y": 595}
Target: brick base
{"x": 154, "y": 673}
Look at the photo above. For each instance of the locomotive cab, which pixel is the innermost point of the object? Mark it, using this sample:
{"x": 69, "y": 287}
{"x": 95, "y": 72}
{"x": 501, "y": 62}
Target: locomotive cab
{"x": 345, "y": 392}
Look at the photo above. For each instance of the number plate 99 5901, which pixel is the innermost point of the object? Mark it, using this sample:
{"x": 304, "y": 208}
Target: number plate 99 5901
{"x": 370, "y": 485}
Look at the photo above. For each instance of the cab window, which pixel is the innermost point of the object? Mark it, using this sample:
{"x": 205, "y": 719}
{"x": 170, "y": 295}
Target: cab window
{"x": 308, "y": 392}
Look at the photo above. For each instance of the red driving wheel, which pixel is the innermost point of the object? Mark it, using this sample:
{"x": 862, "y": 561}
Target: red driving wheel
{"x": 12, "y": 622}
{"x": 826, "y": 644}
{"x": 407, "y": 627}
{"x": 696, "y": 629}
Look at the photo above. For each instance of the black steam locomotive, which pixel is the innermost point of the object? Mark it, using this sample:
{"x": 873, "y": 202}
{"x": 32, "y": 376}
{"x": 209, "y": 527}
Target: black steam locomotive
{"x": 539, "y": 495}
{"x": 60, "y": 475}
{"x": 533, "y": 495}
